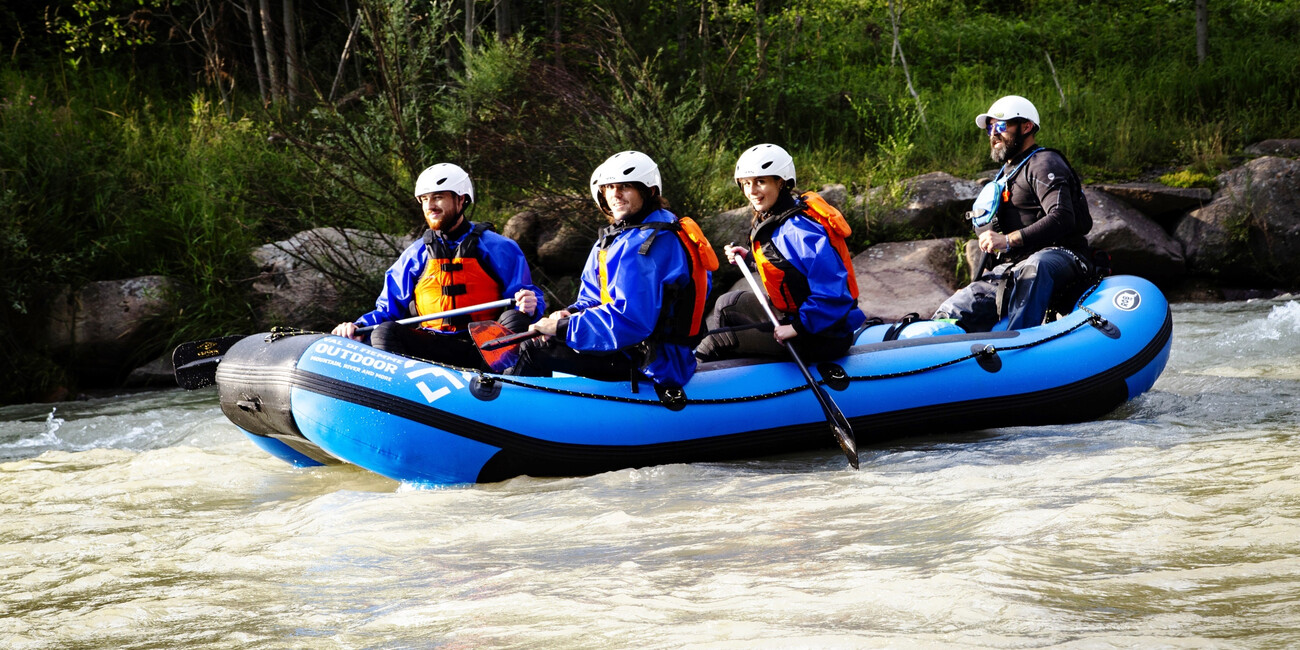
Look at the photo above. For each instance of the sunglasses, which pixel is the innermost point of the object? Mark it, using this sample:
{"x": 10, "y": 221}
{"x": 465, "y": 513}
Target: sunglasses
{"x": 998, "y": 126}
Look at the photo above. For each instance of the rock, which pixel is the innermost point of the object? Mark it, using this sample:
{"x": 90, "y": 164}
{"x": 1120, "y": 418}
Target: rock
{"x": 555, "y": 233}
{"x": 898, "y": 278}
{"x": 522, "y": 228}
{"x": 302, "y": 278}
{"x": 1250, "y": 231}
{"x": 1283, "y": 147}
{"x": 931, "y": 203}
{"x": 1160, "y": 202}
{"x": 726, "y": 227}
{"x": 159, "y": 372}
{"x": 1136, "y": 244}
{"x": 105, "y": 327}
{"x": 836, "y": 195}
{"x": 563, "y": 247}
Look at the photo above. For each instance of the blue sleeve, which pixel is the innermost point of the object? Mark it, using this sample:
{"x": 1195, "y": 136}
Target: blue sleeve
{"x": 508, "y": 260}
{"x": 637, "y": 292}
{"x": 805, "y": 244}
{"x": 397, "y": 299}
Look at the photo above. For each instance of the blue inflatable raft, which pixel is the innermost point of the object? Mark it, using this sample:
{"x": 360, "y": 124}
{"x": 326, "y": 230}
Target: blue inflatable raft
{"x": 319, "y": 399}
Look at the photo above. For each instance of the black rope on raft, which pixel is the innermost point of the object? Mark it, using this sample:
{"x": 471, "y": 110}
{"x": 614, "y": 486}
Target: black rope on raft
{"x": 1093, "y": 319}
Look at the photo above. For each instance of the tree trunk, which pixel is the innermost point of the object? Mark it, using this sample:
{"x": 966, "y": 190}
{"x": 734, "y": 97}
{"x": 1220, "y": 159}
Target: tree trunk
{"x": 507, "y": 18}
{"x": 291, "y": 68}
{"x": 893, "y": 18}
{"x": 1202, "y": 30}
{"x": 272, "y": 55}
{"x": 759, "y": 44}
{"x": 343, "y": 58}
{"x": 557, "y": 34}
{"x": 469, "y": 30}
{"x": 258, "y": 56}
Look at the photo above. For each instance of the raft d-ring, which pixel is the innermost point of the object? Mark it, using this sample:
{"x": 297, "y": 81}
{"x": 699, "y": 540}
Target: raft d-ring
{"x": 1104, "y": 326}
{"x": 484, "y": 387}
{"x": 673, "y": 398}
{"x": 987, "y": 356}
{"x": 833, "y": 375}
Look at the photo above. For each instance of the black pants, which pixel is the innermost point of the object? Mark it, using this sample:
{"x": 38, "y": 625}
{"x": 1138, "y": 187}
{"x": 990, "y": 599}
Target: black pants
{"x": 739, "y": 308}
{"x": 452, "y": 349}
{"x": 540, "y": 357}
{"x": 1034, "y": 281}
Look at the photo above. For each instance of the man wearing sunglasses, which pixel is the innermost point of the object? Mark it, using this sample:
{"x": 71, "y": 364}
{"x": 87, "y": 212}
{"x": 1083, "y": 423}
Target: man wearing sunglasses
{"x": 1037, "y": 235}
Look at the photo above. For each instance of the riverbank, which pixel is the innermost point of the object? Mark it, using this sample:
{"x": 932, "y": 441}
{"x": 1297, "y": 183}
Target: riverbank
{"x": 1196, "y": 244}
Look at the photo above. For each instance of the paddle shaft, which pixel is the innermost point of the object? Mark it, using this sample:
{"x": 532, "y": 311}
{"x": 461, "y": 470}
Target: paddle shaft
{"x": 196, "y": 361}
{"x": 450, "y": 313}
{"x": 834, "y": 416}
{"x": 498, "y": 343}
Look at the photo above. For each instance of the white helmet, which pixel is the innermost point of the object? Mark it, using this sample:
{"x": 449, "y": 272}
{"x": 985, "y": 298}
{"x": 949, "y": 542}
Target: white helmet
{"x": 1009, "y": 108}
{"x": 626, "y": 167}
{"x": 444, "y": 177}
{"x": 765, "y": 160}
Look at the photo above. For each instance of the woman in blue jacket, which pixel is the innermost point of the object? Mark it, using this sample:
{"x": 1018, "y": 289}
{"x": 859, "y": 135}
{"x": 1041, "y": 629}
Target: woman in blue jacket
{"x": 804, "y": 265}
{"x": 637, "y": 282}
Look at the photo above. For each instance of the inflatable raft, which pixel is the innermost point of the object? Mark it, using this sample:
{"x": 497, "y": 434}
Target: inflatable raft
{"x": 319, "y": 399}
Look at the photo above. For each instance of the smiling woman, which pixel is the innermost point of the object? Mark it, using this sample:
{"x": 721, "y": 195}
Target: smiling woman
{"x": 637, "y": 311}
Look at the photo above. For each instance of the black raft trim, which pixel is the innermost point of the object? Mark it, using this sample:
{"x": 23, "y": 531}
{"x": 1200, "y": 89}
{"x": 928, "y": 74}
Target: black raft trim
{"x": 520, "y": 454}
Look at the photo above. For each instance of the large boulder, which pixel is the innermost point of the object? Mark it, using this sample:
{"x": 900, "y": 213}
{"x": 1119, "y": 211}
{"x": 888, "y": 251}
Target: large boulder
{"x": 1250, "y": 231}
{"x": 727, "y": 227}
{"x": 105, "y": 328}
{"x": 898, "y": 278}
{"x": 928, "y": 204}
{"x": 305, "y": 278}
{"x": 553, "y": 239}
{"x": 1136, "y": 244}
{"x": 1160, "y": 202}
{"x": 1278, "y": 147}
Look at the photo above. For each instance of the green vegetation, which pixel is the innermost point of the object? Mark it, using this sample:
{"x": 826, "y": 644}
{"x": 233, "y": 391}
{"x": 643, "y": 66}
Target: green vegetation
{"x": 136, "y": 146}
{"x": 1188, "y": 178}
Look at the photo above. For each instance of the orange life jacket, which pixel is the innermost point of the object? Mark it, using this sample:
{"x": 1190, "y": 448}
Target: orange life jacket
{"x": 453, "y": 279}
{"x": 785, "y": 285}
{"x": 682, "y": 316}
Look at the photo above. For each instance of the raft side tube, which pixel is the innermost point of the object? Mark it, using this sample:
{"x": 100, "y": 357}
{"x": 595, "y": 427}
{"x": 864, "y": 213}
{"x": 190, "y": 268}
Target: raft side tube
{"x": 254, "y": 382}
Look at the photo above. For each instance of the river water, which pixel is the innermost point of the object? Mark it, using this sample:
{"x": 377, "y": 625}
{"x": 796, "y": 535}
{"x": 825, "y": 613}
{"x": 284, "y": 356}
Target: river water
{"x": 148, "y": 521}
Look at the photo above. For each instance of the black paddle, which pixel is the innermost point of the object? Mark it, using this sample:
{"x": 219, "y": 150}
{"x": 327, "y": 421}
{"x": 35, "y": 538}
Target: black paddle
{"x": 834, "y": 417}
{"x": 196, "y": 361}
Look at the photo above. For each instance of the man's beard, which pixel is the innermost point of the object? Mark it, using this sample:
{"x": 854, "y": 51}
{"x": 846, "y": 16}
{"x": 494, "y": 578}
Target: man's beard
{"x": 1009, "y": 151}
{"x": 444, "y": 224}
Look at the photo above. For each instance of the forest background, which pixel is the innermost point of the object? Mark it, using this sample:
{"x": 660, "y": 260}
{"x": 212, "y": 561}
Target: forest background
{"x": 171, "y": 136}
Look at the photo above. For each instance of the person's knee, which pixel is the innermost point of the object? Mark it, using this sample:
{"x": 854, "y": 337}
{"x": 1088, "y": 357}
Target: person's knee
{"x": 387, "y": 336}
{"x": 515, "y": 320}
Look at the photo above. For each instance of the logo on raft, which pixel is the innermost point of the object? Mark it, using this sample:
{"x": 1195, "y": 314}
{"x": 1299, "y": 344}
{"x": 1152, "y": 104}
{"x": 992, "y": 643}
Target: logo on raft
{"x": 379, "y": 364}
{"x": 1128, "y": 299}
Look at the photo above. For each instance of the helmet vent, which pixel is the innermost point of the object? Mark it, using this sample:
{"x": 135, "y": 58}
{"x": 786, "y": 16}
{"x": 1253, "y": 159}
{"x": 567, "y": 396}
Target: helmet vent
{"x": 442, "y": 180}
{"x": 628, "y": 171}
{"x": 766, "y": 164}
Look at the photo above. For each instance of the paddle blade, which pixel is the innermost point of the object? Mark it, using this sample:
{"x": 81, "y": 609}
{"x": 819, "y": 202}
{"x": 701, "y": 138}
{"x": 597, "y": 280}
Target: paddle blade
{"x": 487, "y": 335}
{"x": 196, "y": 361}
{"x": 840, "y": 427}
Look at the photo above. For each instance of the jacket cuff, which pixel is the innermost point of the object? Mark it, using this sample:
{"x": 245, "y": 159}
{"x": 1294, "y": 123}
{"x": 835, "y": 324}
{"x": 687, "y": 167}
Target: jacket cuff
{"x": 562, "y": 328}
{"x": 797, "y": 324}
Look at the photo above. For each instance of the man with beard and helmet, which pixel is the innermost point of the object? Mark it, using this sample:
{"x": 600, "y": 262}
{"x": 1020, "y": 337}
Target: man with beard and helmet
{"x": 806, "y": 270}
{"x": 1032, "y": 219}
{"x": 642, "y": 292}
{"x": 457, "y": 263}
